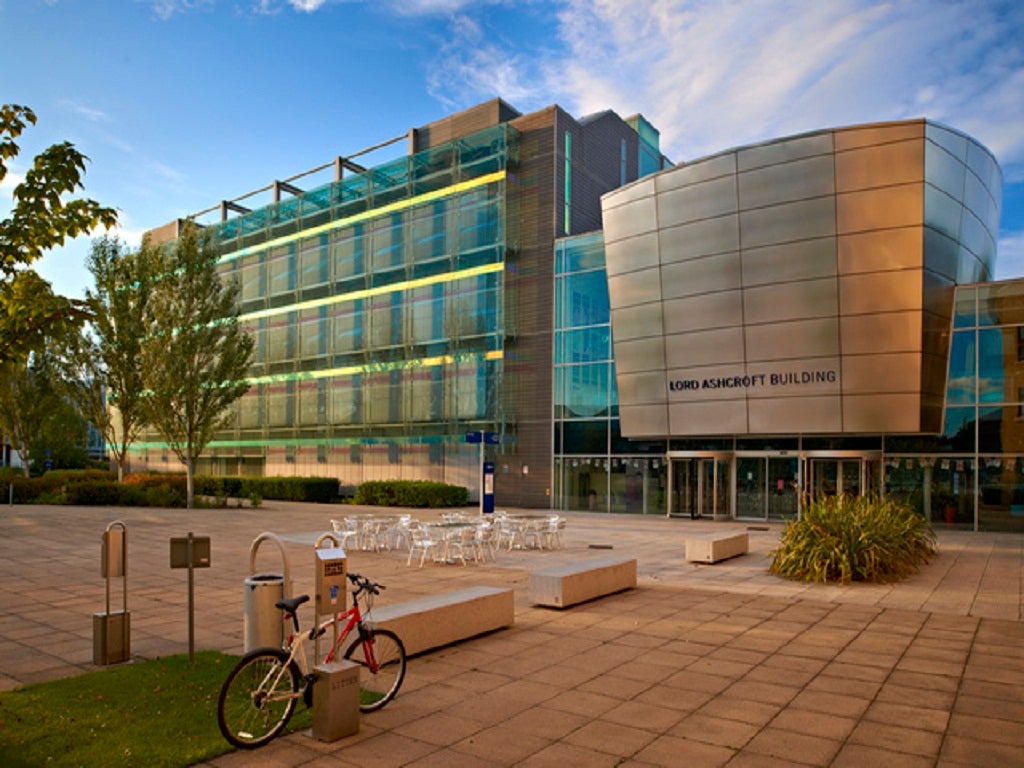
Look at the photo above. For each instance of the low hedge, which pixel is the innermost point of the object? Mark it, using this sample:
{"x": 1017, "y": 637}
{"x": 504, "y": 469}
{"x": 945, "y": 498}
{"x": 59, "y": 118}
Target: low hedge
{"x": 100, "y": 488}
{"x": 410, "y": 493}
{"x": 322, "y": 490}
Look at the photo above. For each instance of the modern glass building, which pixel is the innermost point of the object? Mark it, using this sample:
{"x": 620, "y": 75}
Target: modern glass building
{"x": 400, "y": 307}
{"x": 802, "y": 317}
{"x": 725, "y": 337}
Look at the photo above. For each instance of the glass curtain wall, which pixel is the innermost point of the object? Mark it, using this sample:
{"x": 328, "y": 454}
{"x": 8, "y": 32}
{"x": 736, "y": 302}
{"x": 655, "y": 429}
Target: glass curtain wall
{"x": 973, "y": 476}
{"x": 376, "y": 305}
{"x": 595, "y": 469}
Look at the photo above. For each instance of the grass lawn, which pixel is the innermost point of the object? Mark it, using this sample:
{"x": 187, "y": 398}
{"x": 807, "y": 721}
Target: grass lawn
{"x": 153, "y": 713}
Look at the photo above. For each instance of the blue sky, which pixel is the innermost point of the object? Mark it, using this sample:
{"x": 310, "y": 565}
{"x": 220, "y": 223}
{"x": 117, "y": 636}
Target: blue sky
{"x": 181, "y": 103}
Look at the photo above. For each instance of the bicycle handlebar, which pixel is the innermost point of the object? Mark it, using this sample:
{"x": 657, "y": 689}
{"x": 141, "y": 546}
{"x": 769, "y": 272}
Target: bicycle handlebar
{"x": 364, "y": 584}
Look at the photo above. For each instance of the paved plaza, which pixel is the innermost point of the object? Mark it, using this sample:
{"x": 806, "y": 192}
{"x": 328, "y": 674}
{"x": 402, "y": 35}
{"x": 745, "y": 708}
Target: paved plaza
{"x": 700, "y": 665}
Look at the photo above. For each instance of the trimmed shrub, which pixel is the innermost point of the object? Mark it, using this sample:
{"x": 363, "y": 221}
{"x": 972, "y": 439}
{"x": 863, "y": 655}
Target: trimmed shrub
{"x": 410, "y": 493}
{"x": 312, "y": 489}
{"x": 144, "y": 491}
{"x": 94, "y": 494}
{"x": 843, "y": 539}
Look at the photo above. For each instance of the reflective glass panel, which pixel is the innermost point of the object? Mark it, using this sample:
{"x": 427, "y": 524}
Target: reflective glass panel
{"x": 1001, "y": 429}
{"x": 586, "y": 390}
{"x": 584, "y": 345}
{"x": 584, "y": 300}
{"x": 1001, "y": 304}
{"x": 959, "y": 428}
{"x": 991, "y": 370}
{"x": 1001, "y": 488}
{"x": 964, "y": 308}
{"x": 585, "y": 436}
{"x": 960, "y": 390}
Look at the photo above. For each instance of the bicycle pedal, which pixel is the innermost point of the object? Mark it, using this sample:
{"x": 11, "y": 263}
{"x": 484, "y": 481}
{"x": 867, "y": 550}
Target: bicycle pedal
{"x": 307, "y": 692}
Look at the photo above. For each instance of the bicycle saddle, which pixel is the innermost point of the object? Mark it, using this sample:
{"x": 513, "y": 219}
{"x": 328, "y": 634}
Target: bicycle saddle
{"x": 290, "y": 604}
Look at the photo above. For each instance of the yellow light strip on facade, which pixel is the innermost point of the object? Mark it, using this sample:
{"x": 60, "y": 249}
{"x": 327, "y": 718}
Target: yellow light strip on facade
{"x": 349, "y": 370}
{"x": 364, "y": 293}
{"x": 373, "y": 213}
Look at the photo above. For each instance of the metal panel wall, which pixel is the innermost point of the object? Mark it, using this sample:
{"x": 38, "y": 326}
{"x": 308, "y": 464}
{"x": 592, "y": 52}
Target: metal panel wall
{"x": 812, "y": 302}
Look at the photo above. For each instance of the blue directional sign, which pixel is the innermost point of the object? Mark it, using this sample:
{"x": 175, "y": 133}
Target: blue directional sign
{"x": 491, "y": 438}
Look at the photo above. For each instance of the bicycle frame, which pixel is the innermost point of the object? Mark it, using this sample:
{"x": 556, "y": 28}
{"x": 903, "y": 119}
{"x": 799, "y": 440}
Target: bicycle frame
{"x": 296, "y": 644}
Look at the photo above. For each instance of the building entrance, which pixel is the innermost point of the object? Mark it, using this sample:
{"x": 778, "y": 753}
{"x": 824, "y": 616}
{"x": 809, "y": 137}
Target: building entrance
{"x": 765, "y": 486}
{"x": 853, "y": 474}
{"x": 699, "y": 486}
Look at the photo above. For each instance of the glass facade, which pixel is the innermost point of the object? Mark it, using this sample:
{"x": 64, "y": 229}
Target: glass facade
{"x": 975, "y": 478}
{"x": 971, "y": 476}
{"x": 376, "y": 306}
{"x": 594, "y": 468}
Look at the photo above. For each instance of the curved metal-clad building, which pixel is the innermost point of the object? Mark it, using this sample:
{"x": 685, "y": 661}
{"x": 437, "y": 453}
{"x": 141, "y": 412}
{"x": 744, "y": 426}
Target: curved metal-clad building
{"x": 800, "y": 286}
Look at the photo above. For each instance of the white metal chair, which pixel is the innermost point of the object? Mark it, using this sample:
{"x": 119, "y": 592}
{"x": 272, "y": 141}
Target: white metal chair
{"x": 420, "y": 539}
{"x": 535, "y": 534}
{"x": 346, "y": 531}
{"x": 398, "y": 536}
{"x": 553, "y": 532}
{"x": 509, "y": 533}
{"x": 460, "y": 543}
{"x": 483, "y": 541}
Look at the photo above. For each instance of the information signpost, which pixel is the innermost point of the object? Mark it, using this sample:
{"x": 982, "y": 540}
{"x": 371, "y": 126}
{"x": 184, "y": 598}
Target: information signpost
{"x": 486, "y": 478}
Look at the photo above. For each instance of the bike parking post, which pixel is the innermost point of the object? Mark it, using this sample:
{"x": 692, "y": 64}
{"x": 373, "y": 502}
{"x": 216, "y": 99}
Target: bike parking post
{"x": 336, "y": 693}
{"x": 111, "y": 631}
{"x": 331, "y": 567}
{"x": 262, "y": 620}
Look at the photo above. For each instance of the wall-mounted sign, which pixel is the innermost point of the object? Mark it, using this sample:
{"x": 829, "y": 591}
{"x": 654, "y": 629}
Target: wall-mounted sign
{"x": 765, "y": 381}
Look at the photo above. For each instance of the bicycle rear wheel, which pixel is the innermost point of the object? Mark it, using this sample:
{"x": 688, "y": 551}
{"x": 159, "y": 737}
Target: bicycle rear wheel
{"x": 258, "y": 698}
{"x": 378, "y": 688}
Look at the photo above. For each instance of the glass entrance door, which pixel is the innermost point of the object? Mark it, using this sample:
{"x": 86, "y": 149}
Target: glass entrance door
{"x": 767, "y": 487}
{"x": 851, "y": 475}
{"x": 700, "y": 487}
{"x": 834, "y": 477}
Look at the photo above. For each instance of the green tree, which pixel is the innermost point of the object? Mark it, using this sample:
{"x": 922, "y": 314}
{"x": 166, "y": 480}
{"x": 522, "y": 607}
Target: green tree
{"x": 105, "y": 358}
{"x": 62, "y": 438}
{"x": 28, "y": 394}
{"x": 195, "y": 356}
{"x": 41, "y": 218}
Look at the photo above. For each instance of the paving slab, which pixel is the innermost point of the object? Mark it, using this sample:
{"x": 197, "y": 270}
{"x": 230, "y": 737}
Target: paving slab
{"x": 722, "y": 664}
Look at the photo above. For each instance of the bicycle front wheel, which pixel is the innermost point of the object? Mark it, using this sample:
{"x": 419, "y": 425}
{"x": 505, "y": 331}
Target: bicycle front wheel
{"x": 258, "y": 698}
{"x": 378, "y": 688}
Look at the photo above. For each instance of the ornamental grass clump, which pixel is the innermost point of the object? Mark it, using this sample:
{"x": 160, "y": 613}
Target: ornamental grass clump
{"x": 844, "y": 539}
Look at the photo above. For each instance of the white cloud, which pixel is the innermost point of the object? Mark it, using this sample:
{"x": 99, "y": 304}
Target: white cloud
{"x": 307, "y": 6}
{"x": 92, "y": 114}
{"x": 165, "y": 9}
{"x": 712, "y": 75}
{"x": 471, "y": 66}
{"x": 166, "y": 172}
{"x": 437, "y": 7}
{"x": 1010, "y": 256}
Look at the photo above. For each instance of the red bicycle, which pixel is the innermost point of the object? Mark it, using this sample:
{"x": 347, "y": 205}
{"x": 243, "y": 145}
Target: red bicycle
{"x": 259, "y": 695}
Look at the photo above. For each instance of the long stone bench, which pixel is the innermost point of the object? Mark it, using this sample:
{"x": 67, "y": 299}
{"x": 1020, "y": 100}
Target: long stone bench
{"x": 438, "y": 620}
{"x": 713, "y": 547}
{"x": 563, "y": 585}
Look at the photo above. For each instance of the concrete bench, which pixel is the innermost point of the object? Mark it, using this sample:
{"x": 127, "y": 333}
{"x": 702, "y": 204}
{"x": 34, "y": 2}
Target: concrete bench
{"x": 563, "y": 585}
{"x": 712, "y": 547}
{"x": 438, "y": 620}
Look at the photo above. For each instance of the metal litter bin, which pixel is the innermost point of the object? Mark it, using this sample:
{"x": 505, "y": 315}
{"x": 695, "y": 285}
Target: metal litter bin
{"x": 263, "y": 625}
